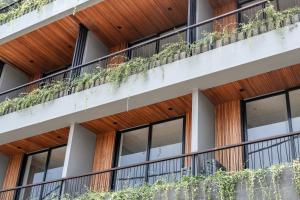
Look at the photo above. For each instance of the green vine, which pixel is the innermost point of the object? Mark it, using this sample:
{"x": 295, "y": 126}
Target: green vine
{"x": 120, "y": 67}
{"x": 22, "y": 8}
{"x": 222, "y": 186}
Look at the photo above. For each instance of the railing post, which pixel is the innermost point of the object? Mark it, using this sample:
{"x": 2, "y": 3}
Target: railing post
{"x": 193, "y": 165}
{"x": 60, "y": 189}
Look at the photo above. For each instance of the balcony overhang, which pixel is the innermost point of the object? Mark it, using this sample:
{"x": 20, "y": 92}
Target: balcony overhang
{"x": 38, "y": 18}
{"x": 250, "y": 57}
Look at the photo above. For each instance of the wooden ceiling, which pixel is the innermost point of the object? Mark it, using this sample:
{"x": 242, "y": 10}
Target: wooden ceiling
{"x": 141, "y": 116}
{"x": 119, "y": 21}
{"x": 36, "y": 143}
{"x": 273, "y": 81}
{"x": 44, "y": 49}
{"x": 114, "y": 21}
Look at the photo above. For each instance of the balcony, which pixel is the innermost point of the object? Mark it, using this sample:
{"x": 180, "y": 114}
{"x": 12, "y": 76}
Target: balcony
{"x": 116, "y": 68}
{"x": 270, "y": 161}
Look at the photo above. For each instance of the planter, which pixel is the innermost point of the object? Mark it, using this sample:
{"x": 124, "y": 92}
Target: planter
{"x": 157, "y": 63}
{"x": 204, "y": 48}
{"x": 218, "y": 43}
{"x": 263, "y": 29}
{"x": 241, "y": 36}
{"x": 255, "y": 31}
{"x": 177, "y": 56}
{"x": 296, "y": 18}
{"x": 170, "y": 59}
{"x": 163, "y": 61}
{"x": 197, "y": 50}
{"x": 183, "y": 55}
{"x": 233, "y": 37}
{"x": 287, "y": 22}
{"x": 271, "y": 26}
{"x": 225, "y": 41}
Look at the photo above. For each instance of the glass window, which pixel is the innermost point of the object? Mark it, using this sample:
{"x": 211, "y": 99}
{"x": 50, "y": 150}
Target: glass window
{"x": 267, "y": 117}
{"x": 166, "y": 139}
{"x": 35, "y": 168}
{"x": 295, "y": 109}
{"x": 56, "y": 163}
{"x": 133, "y": 147}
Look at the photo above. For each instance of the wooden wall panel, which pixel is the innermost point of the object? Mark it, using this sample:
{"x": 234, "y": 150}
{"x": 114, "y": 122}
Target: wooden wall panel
{"x": 188, "y": 132}
{"x": 12, "y": 171}
{"x": 228, "y": 131}
{"x": 227, "y": 23}
{"x": 103, "y": 158}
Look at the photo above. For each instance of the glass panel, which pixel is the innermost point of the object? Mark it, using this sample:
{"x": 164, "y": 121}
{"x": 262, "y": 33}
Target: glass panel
{"x": 166, "y": 142}
{"x": 295, "y": 109}
{"x": 286, "y": 4}
{"x": 133, "y": 150}
{"x": 56, "y": 163}
{"x": 265, "y": 118}
{"x": 35, "y": 168}
{"x": 133, "y": 147}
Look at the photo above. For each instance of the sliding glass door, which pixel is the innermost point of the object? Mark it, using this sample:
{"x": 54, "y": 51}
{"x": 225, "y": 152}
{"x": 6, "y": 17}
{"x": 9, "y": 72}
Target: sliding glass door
{"x": 150, "y": 142}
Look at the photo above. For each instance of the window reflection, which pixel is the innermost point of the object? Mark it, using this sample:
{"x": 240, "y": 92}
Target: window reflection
{"x": 295, "y": 109}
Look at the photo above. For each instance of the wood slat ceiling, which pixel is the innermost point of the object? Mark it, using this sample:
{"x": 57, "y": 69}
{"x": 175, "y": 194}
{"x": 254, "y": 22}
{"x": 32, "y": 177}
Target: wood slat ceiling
{"x": 273, "y": 81}
{"x": 36, "y": 143}
{"x": 44, "y": 49}
{"x": 142, "y": 116}
{"x": 118, "y": 21}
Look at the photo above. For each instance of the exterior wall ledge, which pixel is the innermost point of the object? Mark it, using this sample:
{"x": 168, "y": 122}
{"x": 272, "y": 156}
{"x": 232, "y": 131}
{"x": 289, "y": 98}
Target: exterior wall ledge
{"x": 256, "y": 55}
{"x": 38, "y": 18}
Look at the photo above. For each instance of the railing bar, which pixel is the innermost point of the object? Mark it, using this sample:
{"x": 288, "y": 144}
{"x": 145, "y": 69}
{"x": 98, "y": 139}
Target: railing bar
{"x": 138, "y": 45}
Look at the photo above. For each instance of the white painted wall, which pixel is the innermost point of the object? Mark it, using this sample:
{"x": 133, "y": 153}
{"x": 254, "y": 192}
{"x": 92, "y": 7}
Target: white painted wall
{"x": 203, "y": 126}
{"x": 3, "y": 166}
{"x": 12, "y": 77}
{"x": 80, "y": 151}
{"x": 260, "y": 54}
{"x": 94, "y": 48}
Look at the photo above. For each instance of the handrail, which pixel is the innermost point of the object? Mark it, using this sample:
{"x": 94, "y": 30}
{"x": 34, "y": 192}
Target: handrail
{"x": 138, "y": 45}
{"x": 157, "y": 161}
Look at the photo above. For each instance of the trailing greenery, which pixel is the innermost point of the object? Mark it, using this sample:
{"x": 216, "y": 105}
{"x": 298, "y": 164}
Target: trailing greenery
{"x": 222, "y": 185}
{"x": 22, "y": 8}
{"x": 121, "y": 67}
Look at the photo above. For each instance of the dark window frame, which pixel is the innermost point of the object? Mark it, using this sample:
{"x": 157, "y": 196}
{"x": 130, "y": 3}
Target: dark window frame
{"x": 150, "y": 130}
{"x": 25, "y": 159}
{"x": 286, "y": 93}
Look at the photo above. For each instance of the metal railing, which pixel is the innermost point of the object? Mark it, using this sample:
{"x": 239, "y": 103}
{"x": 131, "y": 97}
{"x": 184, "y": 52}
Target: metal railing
{"x": 255, "y": 154}
{"x": 144, "y": 49}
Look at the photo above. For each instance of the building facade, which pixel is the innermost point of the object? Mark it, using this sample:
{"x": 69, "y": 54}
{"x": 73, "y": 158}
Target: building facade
{"x": 109, "y": 94}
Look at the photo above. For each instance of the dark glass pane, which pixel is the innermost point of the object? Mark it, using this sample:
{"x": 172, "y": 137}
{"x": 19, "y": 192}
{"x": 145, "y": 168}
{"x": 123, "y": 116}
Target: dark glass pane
{"x": 295, "y": 109}
{"x": 56, "y": 163}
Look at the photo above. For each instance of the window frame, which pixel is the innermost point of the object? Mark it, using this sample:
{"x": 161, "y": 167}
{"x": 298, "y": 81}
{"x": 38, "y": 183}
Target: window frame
{"x": 25, "y": 159}
{"x": 286, "y": 93}
{"x": 150, "y": 130}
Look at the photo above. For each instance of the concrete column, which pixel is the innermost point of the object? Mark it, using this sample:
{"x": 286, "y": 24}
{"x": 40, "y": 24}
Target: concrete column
{"x": 204, "y": 11}
{"x": 203, "y": 131}
{"x": 11, "y": 77}
{"x": 3, "y": 166}
{"x": 80, "y": 151}
{"x": 94, "y": 48}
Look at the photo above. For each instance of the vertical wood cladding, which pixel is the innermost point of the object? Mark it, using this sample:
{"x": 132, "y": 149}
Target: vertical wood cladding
{"x": 188, "y": 132}
{"x": 11, "y": 175}
{"x": 227, "y": 23}
{"x": 228, "y": 131}
{"x": 103, "y": 158}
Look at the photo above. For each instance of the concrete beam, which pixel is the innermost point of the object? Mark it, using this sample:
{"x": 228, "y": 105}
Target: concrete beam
{"x": 243, "y": 59}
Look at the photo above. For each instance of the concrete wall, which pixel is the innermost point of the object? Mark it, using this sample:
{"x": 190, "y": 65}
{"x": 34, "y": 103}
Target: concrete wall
{"x": 12, "y": 77}
{"x": 259, "y": 54}
{"x": 80, "y": 151}
{"x": 39, "y": 18}
{"x": 3, "y": 166}
{"x": 204, "y": 11}
{"x": 203, "y": 127}
{"x": 94, "y": 48}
